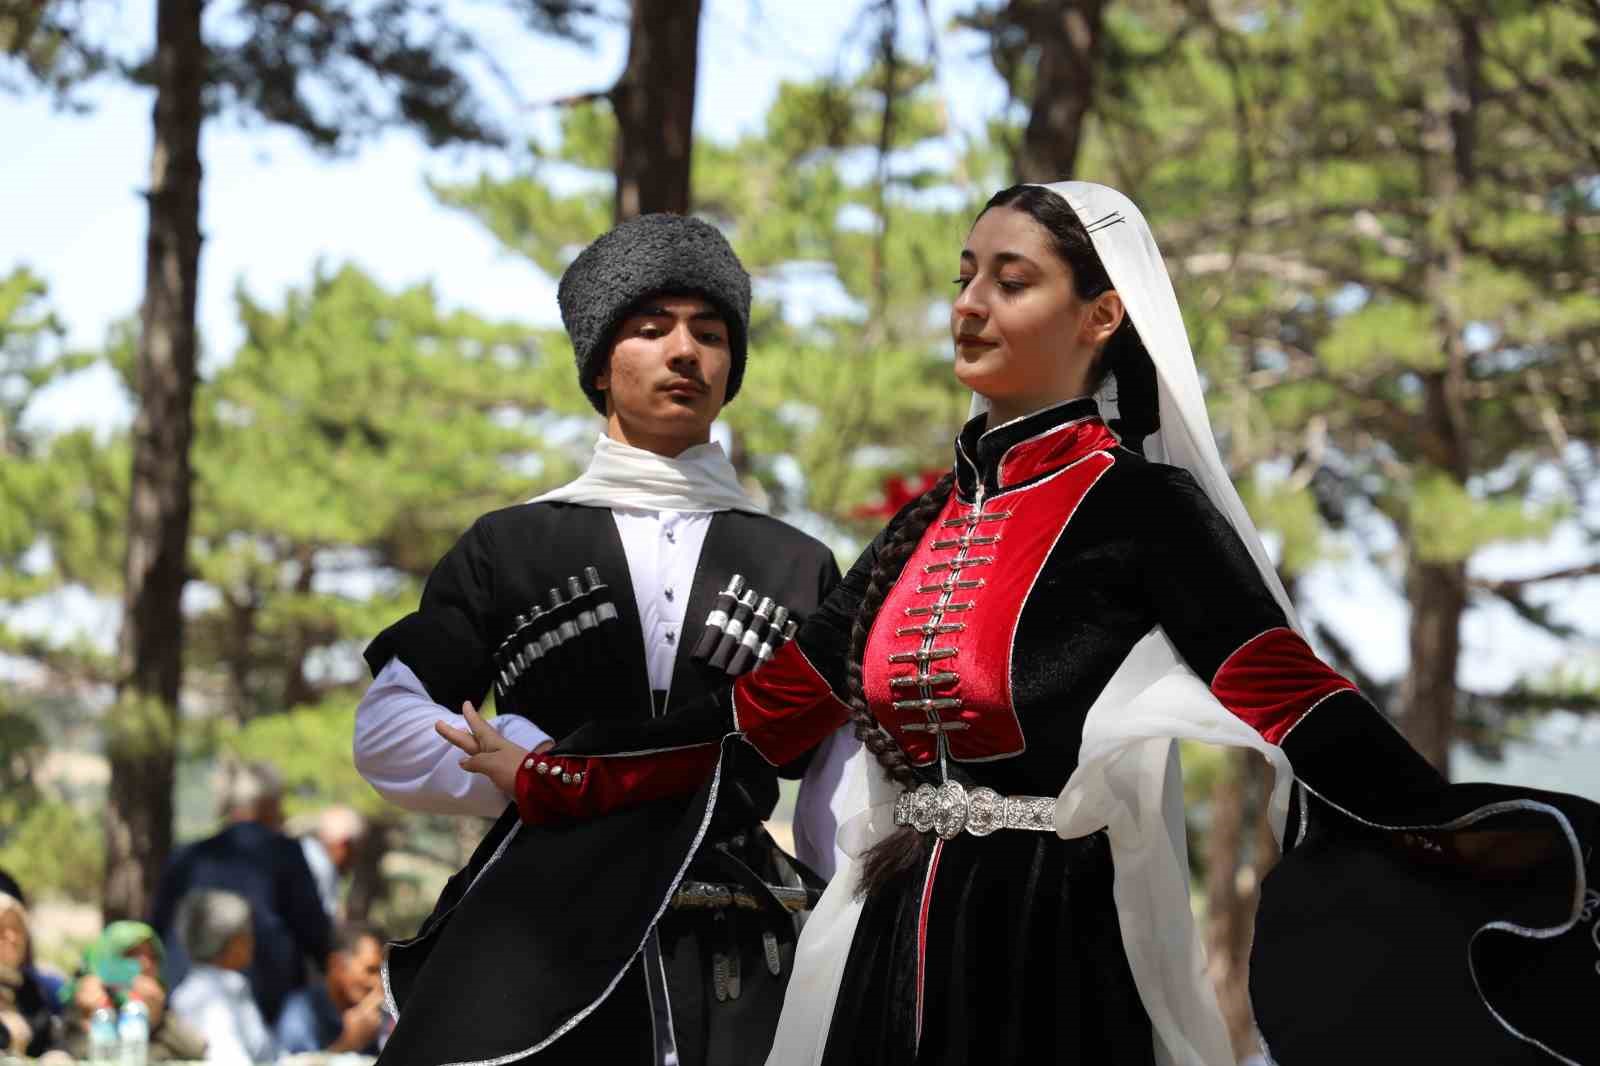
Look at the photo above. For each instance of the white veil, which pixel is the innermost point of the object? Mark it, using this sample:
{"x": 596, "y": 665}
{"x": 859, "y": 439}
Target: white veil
{"x": 1128, "y": 779}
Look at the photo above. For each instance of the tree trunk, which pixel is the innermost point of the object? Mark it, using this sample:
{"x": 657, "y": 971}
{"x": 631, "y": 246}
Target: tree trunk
{"x": 1438, "y": 597}
{"x": 1067, "y": 38}
{"x": 142, "y": 735}
{"x": 1437, "y": 587}
{"x": 1231, "y": 898}
{"x": 654, "y": 103}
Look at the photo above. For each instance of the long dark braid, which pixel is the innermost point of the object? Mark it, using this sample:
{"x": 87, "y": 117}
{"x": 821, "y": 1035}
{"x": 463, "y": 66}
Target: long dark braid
{"x": 904, "y": 848}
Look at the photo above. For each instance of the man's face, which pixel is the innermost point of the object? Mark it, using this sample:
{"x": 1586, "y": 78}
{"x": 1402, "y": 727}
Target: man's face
{"x": 353, "y": 974}
{"x": 668, "y": 374}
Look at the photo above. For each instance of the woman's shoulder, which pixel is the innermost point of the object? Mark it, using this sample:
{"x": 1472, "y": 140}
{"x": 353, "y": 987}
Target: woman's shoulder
{"x": 1146, "y": 488}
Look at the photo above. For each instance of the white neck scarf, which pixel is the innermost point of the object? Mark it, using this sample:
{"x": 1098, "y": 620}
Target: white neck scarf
{"x": 619, "y": 475}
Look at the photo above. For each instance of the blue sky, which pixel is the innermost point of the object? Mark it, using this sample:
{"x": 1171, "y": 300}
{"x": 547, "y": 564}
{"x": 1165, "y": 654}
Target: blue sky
{"x": 272, "y": 209}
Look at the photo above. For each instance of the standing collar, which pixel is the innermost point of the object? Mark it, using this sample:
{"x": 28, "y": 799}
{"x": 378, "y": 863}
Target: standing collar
{"x": 1029, "y": 447}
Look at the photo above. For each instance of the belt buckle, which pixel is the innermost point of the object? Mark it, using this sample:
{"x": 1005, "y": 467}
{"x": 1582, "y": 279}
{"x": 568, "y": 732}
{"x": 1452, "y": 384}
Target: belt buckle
{"x": 950, "y": 810}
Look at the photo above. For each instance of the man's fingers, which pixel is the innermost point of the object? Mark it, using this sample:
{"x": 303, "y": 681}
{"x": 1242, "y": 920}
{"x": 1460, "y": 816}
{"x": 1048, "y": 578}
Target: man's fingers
{"x": 459, "y": 737}
{"x": 487, "y": 735}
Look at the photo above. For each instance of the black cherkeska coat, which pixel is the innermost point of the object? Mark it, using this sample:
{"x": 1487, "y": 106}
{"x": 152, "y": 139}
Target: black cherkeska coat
{"x": 537, "y": 942}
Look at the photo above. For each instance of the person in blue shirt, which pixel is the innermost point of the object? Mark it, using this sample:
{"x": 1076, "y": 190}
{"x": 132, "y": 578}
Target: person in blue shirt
{"x": 344, "y": 1012}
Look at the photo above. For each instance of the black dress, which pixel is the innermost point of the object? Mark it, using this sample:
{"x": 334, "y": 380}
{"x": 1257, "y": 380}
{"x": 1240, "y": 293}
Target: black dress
{"x": 546, "y": 939}
{"x": 1057, "y": 552}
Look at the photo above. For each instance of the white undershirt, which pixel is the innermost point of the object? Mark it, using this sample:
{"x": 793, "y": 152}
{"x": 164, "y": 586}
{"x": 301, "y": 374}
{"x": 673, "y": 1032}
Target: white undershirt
{"x": 400, "y": 754}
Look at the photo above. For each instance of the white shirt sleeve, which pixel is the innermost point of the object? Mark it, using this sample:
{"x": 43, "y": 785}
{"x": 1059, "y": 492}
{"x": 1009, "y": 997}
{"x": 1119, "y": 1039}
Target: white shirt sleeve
{"x": 400, "y": 755}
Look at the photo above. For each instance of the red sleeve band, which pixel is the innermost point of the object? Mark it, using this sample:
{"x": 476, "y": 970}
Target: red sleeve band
{"x": 785, "y": 707}
{"x": 557, "y": 788}
{"x": 1273, "y": 680}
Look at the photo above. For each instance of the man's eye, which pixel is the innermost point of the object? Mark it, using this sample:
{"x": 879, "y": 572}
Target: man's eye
{"x": 713, "y": 337}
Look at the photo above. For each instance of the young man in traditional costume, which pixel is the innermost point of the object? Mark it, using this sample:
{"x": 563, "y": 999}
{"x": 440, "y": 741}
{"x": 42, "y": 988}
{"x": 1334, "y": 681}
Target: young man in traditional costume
{"x": 664, "y": 935}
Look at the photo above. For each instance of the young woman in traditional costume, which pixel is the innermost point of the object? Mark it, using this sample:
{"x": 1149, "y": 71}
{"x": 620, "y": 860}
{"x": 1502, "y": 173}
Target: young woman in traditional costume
{"x": 1021, "y": 648}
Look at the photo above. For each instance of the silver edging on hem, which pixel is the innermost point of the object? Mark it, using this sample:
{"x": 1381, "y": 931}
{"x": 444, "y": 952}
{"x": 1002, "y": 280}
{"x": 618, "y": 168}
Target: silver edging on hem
{"x": 567, "y": 1026}
{"x": 1546, "y": 933}
{"x": 383, "y": 970}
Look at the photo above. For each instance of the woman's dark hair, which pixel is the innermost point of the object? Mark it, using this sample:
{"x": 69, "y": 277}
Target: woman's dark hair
{"x": 1127, "y": 361}
{"x": 1124, "y": 357}
{"x": 903, "y": 848}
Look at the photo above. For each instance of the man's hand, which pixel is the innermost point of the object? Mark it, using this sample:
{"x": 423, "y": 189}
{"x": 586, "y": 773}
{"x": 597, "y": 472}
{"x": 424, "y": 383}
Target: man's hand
{"x": 488, "y": 753}
{"x": 361, "y": 1023}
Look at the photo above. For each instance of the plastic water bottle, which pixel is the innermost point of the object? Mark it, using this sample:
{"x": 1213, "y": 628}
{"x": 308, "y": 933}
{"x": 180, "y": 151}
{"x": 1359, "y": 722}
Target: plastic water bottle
{"x": 133, "y": 1033}
{"x": 103, "y": 1044}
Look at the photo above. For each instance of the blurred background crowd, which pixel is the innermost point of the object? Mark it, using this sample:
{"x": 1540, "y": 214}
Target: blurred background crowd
{"x": 246, "y": 956}
{"x": 277, "y": 322}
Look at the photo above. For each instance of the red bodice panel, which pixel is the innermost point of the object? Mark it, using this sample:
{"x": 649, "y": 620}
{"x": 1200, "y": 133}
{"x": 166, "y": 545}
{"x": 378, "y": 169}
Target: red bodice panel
{"x": 938, "y": 659}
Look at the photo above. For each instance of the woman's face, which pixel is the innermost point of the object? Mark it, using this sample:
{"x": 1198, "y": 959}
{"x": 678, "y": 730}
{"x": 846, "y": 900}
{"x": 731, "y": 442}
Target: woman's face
{"x": 1023, "y": 338}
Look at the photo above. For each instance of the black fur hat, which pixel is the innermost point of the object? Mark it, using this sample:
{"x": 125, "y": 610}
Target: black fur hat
{"x": 648, "y": 256}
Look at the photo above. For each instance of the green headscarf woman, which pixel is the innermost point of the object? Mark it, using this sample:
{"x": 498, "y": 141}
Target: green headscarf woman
{"x": 125, "y": 963}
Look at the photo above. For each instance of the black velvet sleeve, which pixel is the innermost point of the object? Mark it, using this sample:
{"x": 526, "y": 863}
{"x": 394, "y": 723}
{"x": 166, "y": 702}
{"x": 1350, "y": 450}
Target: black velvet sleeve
{"x": 446, "y": 641}
{"x": 1211, "y": 599}
{"x": 1204, "y": 586}
{"x": 825, "y": 636}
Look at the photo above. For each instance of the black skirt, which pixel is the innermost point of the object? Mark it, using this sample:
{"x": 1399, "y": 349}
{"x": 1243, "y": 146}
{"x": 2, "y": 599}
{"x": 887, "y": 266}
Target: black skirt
{"x": 1012, "y": 954}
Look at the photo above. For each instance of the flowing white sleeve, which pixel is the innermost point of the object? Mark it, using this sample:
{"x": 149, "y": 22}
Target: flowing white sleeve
{"x": 400, "y": 755}
{"x": 824, "y": 804}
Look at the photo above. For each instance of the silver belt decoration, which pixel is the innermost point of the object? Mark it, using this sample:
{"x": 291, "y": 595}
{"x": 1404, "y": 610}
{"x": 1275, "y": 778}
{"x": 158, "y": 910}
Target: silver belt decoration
{"x": 949, "y": 808}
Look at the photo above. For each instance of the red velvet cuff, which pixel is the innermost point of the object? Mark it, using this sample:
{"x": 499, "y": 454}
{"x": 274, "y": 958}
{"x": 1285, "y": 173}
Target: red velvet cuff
{"x": 556, "y": 788}
{"x": 785, "y": 707}
{"x": 1273, "y": 681}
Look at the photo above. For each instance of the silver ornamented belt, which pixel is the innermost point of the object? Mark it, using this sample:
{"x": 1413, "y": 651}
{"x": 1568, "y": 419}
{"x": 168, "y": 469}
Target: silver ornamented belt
{"x": 949, "y": 808}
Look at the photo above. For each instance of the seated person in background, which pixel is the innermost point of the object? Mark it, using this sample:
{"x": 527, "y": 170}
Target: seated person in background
{"x": 331, "y": 852}
{"x": 30, "y": 1004}
{"x": 125, "y": 964}
{"x": 215, "y": 929}
{"x": 343, "y": 1012}
{"x": 24, "y": 1019}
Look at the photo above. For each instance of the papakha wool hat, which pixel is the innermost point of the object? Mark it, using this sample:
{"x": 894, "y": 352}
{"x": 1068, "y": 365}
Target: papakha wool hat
{"x": 647, "y": 256}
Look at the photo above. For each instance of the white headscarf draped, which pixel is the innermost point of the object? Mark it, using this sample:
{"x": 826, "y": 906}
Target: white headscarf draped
{"x": 1128, "y": 779}
{"x": 619, "y": 475}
